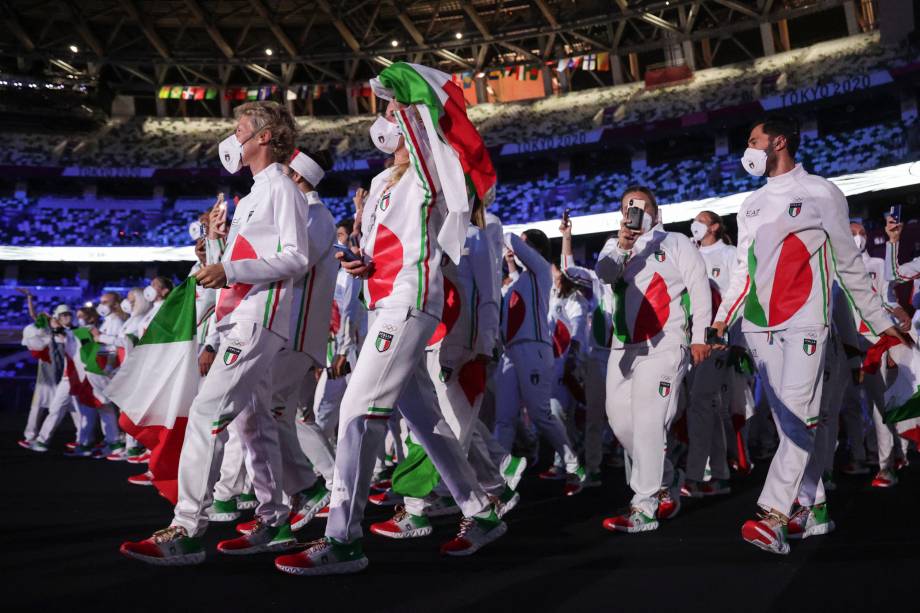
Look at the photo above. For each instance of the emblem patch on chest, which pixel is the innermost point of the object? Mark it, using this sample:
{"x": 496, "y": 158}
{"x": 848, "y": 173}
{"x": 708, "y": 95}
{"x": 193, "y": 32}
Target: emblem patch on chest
{"x": 659, "y": 255}
{"x": 794, "y": 209}
{"x": 382, "y": 342}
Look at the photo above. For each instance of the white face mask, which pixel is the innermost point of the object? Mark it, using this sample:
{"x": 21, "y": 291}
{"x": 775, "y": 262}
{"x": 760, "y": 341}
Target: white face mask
{"x": 195, "y": 230}
{"x": 230, "y": 151}
{"x": 698, "y": 229}
{"x": 385, "y": 135}
{"x": 860, "y": 241}
{"x": 150, "y": 293}
{"x": 126, "y": 306}
{"x": 754, "y": 161}
{"x": 81, "y": 322}
{"x": 104, "y": 310}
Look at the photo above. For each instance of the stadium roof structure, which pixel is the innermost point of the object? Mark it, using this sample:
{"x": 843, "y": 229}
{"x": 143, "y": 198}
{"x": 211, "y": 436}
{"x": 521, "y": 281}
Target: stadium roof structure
{"x": 135, "y": 46}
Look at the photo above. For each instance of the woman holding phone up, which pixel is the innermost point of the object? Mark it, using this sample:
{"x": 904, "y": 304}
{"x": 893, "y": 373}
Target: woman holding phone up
{"x": 659, "y": 280}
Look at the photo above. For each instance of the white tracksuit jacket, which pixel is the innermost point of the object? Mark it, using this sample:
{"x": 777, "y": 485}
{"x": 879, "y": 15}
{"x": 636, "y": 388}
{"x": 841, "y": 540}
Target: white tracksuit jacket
{"x": 265, "y": 255}
{"x": 657, "y": 287}
{"x": 526, "y": 302}
{"x": 793, "y": 238}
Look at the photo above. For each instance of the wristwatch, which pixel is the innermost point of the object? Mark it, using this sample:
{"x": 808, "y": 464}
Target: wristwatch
{"x": 210, "y": 349}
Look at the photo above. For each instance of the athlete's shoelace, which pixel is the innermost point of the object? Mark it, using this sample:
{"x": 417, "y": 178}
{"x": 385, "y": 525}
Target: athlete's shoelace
{"x": 168, "y": 534}
{"x": 466, "y": 524}
{"x": 400, "y": 514}
{"x": 314, "y": 546}
{"x": 774, "y": 517}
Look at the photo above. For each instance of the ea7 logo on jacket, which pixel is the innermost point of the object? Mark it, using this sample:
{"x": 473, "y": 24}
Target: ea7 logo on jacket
{"x": 794, "y": 209}
{"x": 664, "y": 389}
{"x": 659, "y": 255}
{"x": 809, "y": 346}
{"x": 384, "y": 203}
{"x": 231, "y": 355}
{"x": 382, "y": 342}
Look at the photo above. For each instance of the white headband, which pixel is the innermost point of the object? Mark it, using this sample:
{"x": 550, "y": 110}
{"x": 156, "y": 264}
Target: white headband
{"x": 306, "y": 167}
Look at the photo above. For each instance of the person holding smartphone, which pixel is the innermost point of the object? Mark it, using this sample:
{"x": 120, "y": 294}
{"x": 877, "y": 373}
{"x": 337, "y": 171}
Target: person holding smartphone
{"x": 663, "y": 306}
{"x": 794, "y": 238}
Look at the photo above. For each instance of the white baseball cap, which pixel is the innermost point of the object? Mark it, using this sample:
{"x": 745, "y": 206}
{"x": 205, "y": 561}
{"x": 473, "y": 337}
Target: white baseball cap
{"x": 61, "y": 309}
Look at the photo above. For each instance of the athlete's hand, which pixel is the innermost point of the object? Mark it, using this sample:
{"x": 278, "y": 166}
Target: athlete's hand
{"x": 893, "y": 229}
{"x": 903, "y": 318}
{"x": 360, "y": 197}
{"x": 896, "y": 332}
{"x": 217, "y": 221}
{"x": 699, "y": 351}
{"x": 24, "y": 291}
{"x": 204, "y": 362}
{"x": 212, "y": 276}
{"x": 720, "y": 327}
{"x": 565, "y": 228}
{"x": 357, "y": 268}
{"x": 627, "y": 238}
{"x": 95, "y": 333}
{"x": 338, "y": 366}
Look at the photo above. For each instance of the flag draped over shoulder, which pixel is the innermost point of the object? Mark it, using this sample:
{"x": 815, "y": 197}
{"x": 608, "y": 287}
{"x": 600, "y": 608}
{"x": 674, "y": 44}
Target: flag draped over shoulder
{"x": 461, "y": 158}
{"x": 902, "y": 398}
{"x": 86, "y": 360}
{"x": 155, "y": 386}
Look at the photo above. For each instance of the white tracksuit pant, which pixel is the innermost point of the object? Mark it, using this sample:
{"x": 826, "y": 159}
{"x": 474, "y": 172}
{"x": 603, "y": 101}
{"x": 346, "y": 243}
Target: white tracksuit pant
{"x": 328, "y": 401}
{"x": 241, "y": 390}
{"x": 709, "y": 392}
{"x": 642, "y": 396}
{"x": 886, "y": 435}
{"x": 791, "y": 366}
{"x": 525, "y": 377}
{"x": 453, "y": 389}
{"x": 595, "y": 410}
{"x": 234, "y": 476}
{"x": 89, "y": 417}
{"x": 38, "y": 409}
{"x": 392, "y": 363}
{"x": 294, "y": 384}
{"x": 837, "y": 379}
{"x": 62, "y": 402}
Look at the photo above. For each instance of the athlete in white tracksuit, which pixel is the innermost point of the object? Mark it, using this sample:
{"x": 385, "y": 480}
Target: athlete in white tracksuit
{"x": 62, "y": 401}
{"x": 293, "y": 377}
{"x": 663, "y": 305}
{"x": 792, "y": 233}
{"x": 525, "y": 376}
{"x": 36, "y": 337}
{"x": 401, "y": 228}
{"x": 266, "y": 254}
{"x": 711, "y": 381}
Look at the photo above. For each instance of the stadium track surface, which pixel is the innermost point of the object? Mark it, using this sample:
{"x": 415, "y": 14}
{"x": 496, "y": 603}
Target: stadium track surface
{"x": 63, "y": 520}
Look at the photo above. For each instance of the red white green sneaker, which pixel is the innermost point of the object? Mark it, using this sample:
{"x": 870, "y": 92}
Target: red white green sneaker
{"x": 169, "y": 547}
{"x": 223, "y": 510}
{"x": 326, "y": 556}
{"x": 145, "y": 478}
{"x": 80, "y": 451}
{"x": 24, "y": 443}
{"x": 885, "y": 478}
{"x": 668, "y": 505}
{"x": 307, "y": 505}
{"x": 512, "y": 469}
{"x": 702, "y": 489}
{"x": 385, "y": 499}
{"x": 247, "y": 527}
{"x": 403, "y": 525}
{"x": 324, "y": 512}
{"x": 442, "y": 506}
{"x": 475, "y": 533}
{"x": 506, "y": 502}
{"x": 768, "y": 533}
{"x": 809, "y": 521}
{"x": 553, "y": 473}
{"x": 69, "y": 446}
{"x": 575, "y": 482}
{"x": 382, "y": 485}
{"x": 137, "y": 455}
{"x": 634, "y": 521}
{"x": 38, "y": 446}
{"x": 246, "y": 502}
{"x": 262, "y": 538}
{"x": 117, "y": 454}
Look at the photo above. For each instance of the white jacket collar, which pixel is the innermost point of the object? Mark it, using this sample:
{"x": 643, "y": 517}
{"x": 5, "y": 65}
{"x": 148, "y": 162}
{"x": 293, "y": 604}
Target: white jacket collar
{"x": 269, "y": 172}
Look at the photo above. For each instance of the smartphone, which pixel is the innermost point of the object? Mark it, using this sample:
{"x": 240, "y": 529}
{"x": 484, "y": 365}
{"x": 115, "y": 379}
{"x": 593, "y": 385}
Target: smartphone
{"x": 634, "y": 215}
{"x": 346, "y": 251}
{"x": 565, "y": 217}
{"x": 895, "y": 213}
{"x": 713, "y": 338}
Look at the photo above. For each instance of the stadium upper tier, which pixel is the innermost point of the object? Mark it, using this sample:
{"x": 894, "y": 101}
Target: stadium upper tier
{"x": 177, "y": 143}
{"x": 50, "y": 221}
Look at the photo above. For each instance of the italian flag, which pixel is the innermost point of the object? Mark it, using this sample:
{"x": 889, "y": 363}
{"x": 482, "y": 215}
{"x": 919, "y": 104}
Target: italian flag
{"x": 460, "y": 155}
{"x": 902, "y": 398}
{"x": 86, "y": 361}
{"x": 155, "y": 386}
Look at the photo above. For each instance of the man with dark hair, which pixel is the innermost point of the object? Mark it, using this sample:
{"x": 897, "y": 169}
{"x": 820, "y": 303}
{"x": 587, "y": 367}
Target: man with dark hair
{"x": 792, "y": 233}
{"x": 781, "y": 125}
{"x": 526, "y": 370}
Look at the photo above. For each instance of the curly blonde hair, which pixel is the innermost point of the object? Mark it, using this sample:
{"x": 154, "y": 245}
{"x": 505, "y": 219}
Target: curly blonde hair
{"x": 271, "y": 116}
